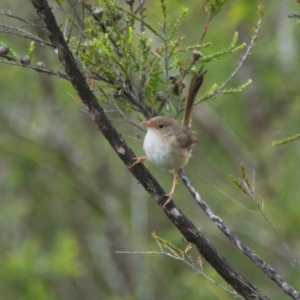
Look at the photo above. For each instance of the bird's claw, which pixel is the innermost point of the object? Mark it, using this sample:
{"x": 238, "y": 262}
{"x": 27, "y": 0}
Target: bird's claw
{"x": 169, "y": 198}
{"x": 138, "y": 160}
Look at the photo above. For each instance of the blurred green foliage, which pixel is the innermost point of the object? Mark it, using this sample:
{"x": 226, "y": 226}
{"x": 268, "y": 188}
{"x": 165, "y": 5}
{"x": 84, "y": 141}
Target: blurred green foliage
{"x": 67, "y": 203}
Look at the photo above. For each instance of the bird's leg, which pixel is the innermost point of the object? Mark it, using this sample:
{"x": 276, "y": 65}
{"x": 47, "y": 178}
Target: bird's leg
{"x": 139, "y": 160}
{"x": 171, "y": 194}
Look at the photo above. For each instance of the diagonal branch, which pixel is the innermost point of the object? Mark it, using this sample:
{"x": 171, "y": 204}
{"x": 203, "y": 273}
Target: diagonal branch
{"x": 186, "y": 227}
{"x": 268, "y": 270}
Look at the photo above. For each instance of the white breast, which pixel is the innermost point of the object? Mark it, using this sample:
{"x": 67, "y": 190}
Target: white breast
{"x": 162, "y": 154}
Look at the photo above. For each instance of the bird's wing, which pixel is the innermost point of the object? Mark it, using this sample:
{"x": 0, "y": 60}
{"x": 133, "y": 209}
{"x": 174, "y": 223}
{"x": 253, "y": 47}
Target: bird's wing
{"x": 186, "y": 139}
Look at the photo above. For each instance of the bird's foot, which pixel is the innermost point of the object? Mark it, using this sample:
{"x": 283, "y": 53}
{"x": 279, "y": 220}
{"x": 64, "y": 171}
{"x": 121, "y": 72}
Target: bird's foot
{"x": 169, "y": 197}
{"x": 174, "y": 185}
{"x": 138, "y": 160}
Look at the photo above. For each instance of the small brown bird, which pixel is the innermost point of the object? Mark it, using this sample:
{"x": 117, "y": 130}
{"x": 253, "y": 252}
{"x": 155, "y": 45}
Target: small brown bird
{"x": 168, "y": 143}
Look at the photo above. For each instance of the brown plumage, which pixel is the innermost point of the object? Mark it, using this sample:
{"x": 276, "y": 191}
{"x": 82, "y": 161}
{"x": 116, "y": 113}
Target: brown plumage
{"x": 168, "y": 143}
{"x": 194, "y": 87}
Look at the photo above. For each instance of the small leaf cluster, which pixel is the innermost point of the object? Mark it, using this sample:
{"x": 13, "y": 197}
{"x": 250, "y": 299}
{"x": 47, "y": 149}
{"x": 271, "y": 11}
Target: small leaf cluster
{"x": 138, "y": 66}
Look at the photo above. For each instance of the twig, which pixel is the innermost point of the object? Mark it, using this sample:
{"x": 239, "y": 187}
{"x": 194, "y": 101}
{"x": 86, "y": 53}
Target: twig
{"x": 251, "y": 195}
{"x": 186, "y": 259}
{"x": 73, "y": 20}
{"x": 294, "y": 15}
{"x": 22, "y": 33}
{"x": 268, "y": 270}
{"x": 142, "y": 2}
{"x": 123, "y": 115}
{"x": 81, "y": 31}
{"x": 205, "y": 29}
{"x": 10, "y": 15}
{"x": 38, "y": 69}
{"x": 241, "y": 62}
{"x": 236, "y": 202}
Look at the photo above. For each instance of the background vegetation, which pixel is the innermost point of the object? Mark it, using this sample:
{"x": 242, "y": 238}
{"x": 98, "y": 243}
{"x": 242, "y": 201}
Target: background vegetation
{"x": 68, "y": 204}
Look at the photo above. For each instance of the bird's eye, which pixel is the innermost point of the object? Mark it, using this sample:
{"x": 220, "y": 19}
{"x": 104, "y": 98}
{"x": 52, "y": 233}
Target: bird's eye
{"x": 161, "y": 125}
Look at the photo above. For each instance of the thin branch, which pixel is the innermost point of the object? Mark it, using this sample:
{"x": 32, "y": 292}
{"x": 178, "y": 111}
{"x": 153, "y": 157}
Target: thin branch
{"x": 205, "y": 29}
{"x": 97, "y": 76}
{"x": 145, "y": 110}
{"x": 18, "y": 31}
{"x": 164, "y": 38}
{"x": 72, "y": 20}
{"x": 38, "y": 69}
{"x": 81, "y": 31}
{"x": 166, "y": 67}
{"x": 103, "y": 28}
{"x": 80, "y": 20}
{"x": 143, "y": 77}
{"x": 241, "y": 62}
{"x": 124, "y": 116}
{"x": 10, "y": 15}
{"x": 236, "y": 202}
{"x": 141, "y": 12}
{"x": 251, "y": 195}
{"x": 141, "y": 4}
{"x": 268, "y": 270}
{"x": 294, "y": 16}
{"x": 186, "y": 259}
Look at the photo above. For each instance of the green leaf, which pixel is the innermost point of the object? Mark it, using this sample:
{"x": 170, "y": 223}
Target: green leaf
{"x": 286, "y": 140}
{"x": 232, "y": 48}
{"x": 238, "y": 89}
{"x": 31, "y": 49}
{"x": 214, "y": 6}
{"x": 177, "y": 23}
{"x": 147, "y": 25}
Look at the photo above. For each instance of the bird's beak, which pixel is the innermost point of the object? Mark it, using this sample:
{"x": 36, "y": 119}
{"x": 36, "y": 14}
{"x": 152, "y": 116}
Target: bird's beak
{"x": 146, "y": 123}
